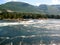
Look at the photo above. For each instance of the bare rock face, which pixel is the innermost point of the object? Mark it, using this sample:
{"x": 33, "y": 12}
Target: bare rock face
{"x": 9, "y": 11}
{"x": 0, "y": 11}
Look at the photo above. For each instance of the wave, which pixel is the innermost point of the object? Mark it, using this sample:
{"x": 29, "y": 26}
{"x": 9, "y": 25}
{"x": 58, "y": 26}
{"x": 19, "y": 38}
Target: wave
{"x": 37, "y": 23}
{"x": 8, "y": 24}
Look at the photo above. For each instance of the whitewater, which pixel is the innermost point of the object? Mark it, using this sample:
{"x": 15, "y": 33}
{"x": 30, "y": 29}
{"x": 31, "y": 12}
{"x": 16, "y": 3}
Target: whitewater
{"x": 49, "y": 23}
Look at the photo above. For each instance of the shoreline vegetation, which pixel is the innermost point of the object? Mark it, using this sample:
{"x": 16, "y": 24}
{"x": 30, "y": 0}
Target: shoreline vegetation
{"x": 24, "y": 19}
{"x": 4, "y": 15}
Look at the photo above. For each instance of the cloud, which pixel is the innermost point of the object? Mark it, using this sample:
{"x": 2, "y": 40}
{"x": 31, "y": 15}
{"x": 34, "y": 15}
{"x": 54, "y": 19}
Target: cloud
{"x": 10, "y": 0}
{"x": 37, "y": 3}
{"x": 49, "y": 2}
{"x": 55, "y": 1}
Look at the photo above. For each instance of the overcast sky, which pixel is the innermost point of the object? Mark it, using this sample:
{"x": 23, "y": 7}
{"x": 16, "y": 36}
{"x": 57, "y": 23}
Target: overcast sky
{"x": 34, "y": 2}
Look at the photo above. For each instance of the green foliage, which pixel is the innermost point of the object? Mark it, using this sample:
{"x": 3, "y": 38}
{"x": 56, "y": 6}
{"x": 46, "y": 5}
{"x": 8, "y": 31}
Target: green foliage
{"x": 20, "y": 7}
{"x": 27, "y": 8}
{"x": 15, "y": 15}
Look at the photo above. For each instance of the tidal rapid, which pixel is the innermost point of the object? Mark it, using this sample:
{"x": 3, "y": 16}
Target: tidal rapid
{"x": 31, "y": 32}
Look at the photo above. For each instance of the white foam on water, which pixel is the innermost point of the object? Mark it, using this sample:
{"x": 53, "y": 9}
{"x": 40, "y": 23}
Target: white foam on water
{"x": 32, "y": 22}
{"x": 49, "y": 24}
{"x": 7, "y": 24}
{"x": 25, "y": 23}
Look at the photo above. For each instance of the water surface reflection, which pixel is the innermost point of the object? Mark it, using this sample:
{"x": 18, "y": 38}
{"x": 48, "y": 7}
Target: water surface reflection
{"x": 33, "y": 32}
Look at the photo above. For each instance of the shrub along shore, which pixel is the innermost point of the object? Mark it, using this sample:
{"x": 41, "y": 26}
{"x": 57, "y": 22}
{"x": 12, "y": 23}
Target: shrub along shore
{"x": 20, "y": 16}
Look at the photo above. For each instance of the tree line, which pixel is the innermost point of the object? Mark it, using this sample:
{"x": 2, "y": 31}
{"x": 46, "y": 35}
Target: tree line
{"x": 16, "y": 15}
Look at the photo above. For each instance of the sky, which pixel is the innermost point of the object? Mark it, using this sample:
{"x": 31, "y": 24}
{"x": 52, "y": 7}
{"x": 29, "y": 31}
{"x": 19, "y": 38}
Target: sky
{"x": 34, "y": 2}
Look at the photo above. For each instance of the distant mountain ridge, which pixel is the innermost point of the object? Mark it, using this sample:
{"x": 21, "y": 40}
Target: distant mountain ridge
{"x": 27, "y": 8}
{"x": 19, "y": 7}
{"x": 50, "y": 9}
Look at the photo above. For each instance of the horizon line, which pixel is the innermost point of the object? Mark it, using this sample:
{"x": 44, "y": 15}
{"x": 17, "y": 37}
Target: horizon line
{"x": 28, "y": 3}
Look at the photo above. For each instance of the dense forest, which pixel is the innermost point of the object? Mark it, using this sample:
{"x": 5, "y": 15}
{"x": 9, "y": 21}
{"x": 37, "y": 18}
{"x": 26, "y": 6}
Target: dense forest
{"x": 16, "y": 15}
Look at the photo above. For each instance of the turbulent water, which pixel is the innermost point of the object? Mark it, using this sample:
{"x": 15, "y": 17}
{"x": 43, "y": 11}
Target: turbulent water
{"x": 32, "y": 32}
